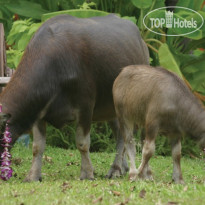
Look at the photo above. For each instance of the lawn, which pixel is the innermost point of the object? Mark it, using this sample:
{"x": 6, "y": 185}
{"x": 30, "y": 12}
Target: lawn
{"x": 61, "y": 184}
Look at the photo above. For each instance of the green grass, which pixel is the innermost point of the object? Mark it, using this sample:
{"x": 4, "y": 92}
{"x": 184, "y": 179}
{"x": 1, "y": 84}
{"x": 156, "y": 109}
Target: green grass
{"x": 61, "y": 184}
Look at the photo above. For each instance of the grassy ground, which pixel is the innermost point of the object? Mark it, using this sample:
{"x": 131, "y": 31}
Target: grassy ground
{"x": 61, "y": 184}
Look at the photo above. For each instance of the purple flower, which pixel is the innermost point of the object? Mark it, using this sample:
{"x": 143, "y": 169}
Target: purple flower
{"x": 7, "y": 139}
{"x": 5, "y": 154}
{"x": 6, "y": 170}
{"x": 6, "y": 173}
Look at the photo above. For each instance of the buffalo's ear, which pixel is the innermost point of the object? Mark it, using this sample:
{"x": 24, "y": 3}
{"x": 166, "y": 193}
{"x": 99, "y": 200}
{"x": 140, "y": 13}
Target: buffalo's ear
{"x": 4, "y": 117}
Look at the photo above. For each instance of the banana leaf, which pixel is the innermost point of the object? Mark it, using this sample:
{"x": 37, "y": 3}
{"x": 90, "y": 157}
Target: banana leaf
{"x": 77, "y": 13}
{"x": 26, "y": 9}
{"x": 168, "y": 61}
{"x": 142, "y": 4}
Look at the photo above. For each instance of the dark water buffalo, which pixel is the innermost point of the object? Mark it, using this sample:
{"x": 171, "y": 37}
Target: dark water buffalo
{"x": 159, "y": 101}
{"x": 65, "y": 75}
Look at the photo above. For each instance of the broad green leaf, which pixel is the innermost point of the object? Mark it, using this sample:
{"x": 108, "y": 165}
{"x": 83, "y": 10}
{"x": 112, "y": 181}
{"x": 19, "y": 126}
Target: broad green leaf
{"x": 77, "y": 3}
{"x": 22, "y": 28}
{"x": 131, "y": 18}
{"x": 34, "y": 28}
{"x": 13, "y": 58}
{"x": 52, "y": 5}
{"x": 66, "y": 5}
{"x": 22, "y": 43}
{"x": 159, "y": 4}
{"x": 192, "y": 4}
{"x": 194, "y": 44}
{"x": 142, "y": 4}
{"x": 193, "y": 33}
{"x": 5, "y": 11}
{"x": 27, "y": 9}
{"x": 198, "y": 79}
{"x": 192, "y": 67}
{"x": 167, "y": 60}
{"x": 198, "y": 52}
{"x": 193, "y": 63}
{"x": 77, "y": 13}
{"x": 12, "y": 39}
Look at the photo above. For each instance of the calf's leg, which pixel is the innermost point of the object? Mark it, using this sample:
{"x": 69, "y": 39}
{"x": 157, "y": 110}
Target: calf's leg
{"x": 176, "y": 156}
{"x": 39, "y": 141}
{"x": 148, "y": 150}
{"x": 130, "y": 147}
{"x": 119, "y": 166}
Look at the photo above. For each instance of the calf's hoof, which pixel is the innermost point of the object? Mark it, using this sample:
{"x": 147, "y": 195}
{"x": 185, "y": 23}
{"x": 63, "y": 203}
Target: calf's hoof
{"x": 178, "y": 181}
{"x": 133, "y": 176}
{"x": 145, "y": 176}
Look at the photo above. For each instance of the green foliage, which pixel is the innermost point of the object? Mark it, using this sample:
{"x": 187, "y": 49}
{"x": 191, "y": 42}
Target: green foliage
{"x": 167, "y": 60}
{"x": 163, "y": 146}
{"x": 177, "y": 53}
{"x": 32, "y": 9}
{"x": 26, "y": 9}
{"x": 101, "y": 137}
{"x": 19, "y": 36}
{"x": 13, "y": 57}
{"x": 21, "y": 33}
{"x": 195, "y": 5}
{"x": 80, "y": 13}
{"x": 141, "y": 4}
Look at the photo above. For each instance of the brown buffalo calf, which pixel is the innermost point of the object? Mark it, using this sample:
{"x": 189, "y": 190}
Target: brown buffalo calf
{"x": 159, "y": 101}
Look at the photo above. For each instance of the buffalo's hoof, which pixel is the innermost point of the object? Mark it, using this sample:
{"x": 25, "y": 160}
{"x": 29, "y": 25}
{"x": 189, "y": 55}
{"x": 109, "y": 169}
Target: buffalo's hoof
{"x": 87, "y": 175}
{"x": 115, "y": 171}
{"x": 32, "y": 179}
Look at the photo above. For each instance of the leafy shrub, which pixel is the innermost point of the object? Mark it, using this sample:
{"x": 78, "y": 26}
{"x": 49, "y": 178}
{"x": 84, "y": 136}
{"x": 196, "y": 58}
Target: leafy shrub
{"x": 19, "y": 36}
{"x": 101, "y": 137}
{"x": 163, "y": 146}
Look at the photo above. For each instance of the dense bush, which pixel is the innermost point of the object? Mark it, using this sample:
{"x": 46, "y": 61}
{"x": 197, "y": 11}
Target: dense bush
{"x": 101, "y": 136}
{"x": 103, "y": 140}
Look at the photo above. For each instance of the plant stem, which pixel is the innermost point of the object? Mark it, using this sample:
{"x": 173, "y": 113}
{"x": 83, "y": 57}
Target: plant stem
{"x": 152, "y": 6}
{"x": 153, "y": 40}
{"x": 151, "y": 47}
{"x": 102, "y": 5}
{"x": 111, "y": 6}
{"x": 141, "y": 23}
{"x": 120, "y": 6}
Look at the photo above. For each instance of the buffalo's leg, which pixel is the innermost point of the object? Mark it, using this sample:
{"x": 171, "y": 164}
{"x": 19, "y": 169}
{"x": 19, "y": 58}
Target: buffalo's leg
{"x": 83, "y": 144}
{"x": 119, "y": 166}
{"x": 176, "y": 156}
{"x": 39, "y": 141}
